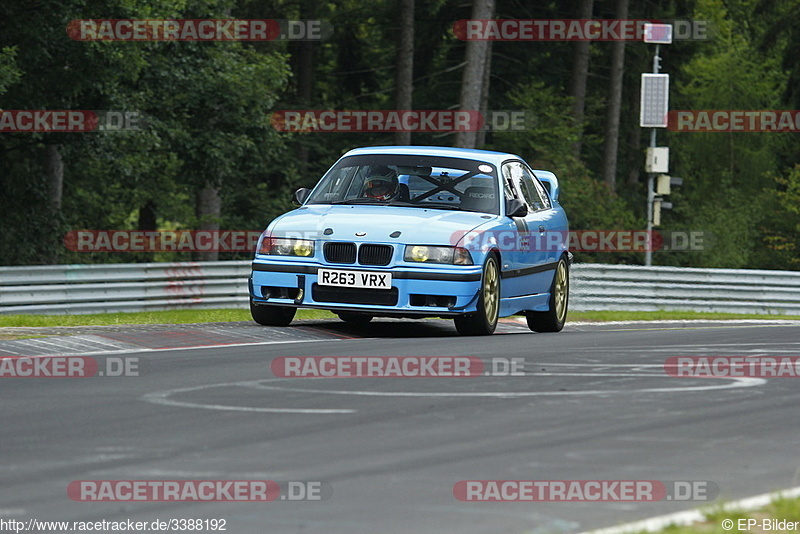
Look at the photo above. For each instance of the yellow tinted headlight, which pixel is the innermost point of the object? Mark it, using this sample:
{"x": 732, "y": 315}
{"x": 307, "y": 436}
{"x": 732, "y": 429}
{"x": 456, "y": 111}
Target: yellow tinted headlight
{"x": 282, "y": 246}
{"x": 303, "y": 248}
{"x": 431, "y": 254}
{"x": 417, "y": 253}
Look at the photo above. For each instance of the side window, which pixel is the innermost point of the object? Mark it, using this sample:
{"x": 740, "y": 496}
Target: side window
{"x": 523, "y": 181}
{"x": 529, "y": 190}
{"x": 508, "y": 182}
{"x": 540, "y": 191}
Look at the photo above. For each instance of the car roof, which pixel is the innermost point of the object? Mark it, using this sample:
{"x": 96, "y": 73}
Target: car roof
{"x": 488, "y": 156}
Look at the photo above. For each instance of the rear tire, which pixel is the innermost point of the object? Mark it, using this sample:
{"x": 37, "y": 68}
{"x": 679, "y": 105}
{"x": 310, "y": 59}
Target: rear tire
{"x": 484, "y": 322}
{"x": 354, "y": 317}
{"x": 553, "y": 320}
{"x": 272, "y": 315}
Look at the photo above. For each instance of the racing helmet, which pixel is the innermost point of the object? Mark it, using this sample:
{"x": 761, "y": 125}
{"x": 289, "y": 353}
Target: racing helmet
{"x": 381, "y": 183}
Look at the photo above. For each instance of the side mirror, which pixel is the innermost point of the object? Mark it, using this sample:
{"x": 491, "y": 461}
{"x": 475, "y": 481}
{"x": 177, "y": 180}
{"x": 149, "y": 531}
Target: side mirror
{"x": 516, "y": 208}
{"x": 301, "y": 195}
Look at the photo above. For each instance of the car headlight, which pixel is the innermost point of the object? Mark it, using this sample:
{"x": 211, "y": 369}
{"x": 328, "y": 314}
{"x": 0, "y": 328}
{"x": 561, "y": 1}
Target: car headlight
{"x": 431, "y": 254}
{"x": 281, "y": 246}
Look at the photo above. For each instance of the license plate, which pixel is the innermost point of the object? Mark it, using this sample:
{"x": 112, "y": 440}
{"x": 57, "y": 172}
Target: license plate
{"x": 361, "y": 279}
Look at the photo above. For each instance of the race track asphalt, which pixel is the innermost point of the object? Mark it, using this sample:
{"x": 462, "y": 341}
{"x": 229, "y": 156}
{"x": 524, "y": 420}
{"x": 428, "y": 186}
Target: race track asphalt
{"x": 594, "y": 403}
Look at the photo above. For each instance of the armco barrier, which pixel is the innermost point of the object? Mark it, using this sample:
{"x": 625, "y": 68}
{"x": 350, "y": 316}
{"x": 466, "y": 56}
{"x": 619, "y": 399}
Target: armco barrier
{"x": 109, "y": 288}
{"x": 636, "y": 288}
{"x": 76, "y": 289}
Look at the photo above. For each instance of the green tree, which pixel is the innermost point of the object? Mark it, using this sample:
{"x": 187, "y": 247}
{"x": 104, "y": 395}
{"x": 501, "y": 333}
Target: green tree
{"x": 9, "y": 73}
{"x": 726, "y": 174}
{"x": 548, "y": 145}
{"x": 208, "y": 108}
{"x": 781, "y": 231}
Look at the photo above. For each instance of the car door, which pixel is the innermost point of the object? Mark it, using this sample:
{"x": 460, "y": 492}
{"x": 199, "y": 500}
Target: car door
{"x": 532, "y": 257}
{"x": 551, "y": 243}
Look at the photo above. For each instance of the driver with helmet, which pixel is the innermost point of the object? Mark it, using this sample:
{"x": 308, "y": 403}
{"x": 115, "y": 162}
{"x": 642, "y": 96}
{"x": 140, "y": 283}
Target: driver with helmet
{"x": 381, "y": 183}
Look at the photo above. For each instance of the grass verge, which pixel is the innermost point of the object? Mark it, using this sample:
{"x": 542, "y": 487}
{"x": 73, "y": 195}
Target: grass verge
{"x": 226, "y": 315}
{"x": 668, "y": 316}
{"x": 150, "y": 317}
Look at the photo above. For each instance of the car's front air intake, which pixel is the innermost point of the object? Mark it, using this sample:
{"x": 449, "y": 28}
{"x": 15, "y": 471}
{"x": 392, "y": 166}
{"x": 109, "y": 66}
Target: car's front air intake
{"x": 340, "y": 252}
{"x": 369, "y": 254}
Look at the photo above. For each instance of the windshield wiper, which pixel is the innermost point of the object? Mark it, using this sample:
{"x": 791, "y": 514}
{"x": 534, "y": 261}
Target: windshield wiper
{"x": 403, "y": 203}
{"x": 440, "y": 205}
{"x": 357, "y": 201}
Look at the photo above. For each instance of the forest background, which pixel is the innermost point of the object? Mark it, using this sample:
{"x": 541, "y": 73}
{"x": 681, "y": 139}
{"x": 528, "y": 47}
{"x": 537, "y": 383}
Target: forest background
{"x": 210, "y": 158}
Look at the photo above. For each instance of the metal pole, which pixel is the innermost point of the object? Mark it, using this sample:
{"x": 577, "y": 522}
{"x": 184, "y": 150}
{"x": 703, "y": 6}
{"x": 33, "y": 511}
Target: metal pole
{"x": 648, "y": 255}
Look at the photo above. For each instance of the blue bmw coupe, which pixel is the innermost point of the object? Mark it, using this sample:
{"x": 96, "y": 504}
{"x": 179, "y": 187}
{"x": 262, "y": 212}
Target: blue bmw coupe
{"x": 419, "y": 231}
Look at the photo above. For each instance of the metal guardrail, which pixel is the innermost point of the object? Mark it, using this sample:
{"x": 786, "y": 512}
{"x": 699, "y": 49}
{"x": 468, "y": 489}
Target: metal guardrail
{"x": 77, "y": 289}
{"x": 110, "y": 288}
{"x": 636, "y": 288}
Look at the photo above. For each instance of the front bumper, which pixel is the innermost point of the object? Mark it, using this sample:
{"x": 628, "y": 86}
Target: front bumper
{"x": 436, "y": 290}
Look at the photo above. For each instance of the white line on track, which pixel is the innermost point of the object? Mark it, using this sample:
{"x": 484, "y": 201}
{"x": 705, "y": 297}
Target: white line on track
{"x": 736, "y": 382}
{"x": 711, "y": 322}
{"x": 162, "y": 349}
{"x": 789, "y": 346}
{"x": 163, "y": 398}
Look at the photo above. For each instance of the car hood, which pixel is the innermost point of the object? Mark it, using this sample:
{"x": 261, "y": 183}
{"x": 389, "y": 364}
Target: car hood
{"x": 416, "y": 225}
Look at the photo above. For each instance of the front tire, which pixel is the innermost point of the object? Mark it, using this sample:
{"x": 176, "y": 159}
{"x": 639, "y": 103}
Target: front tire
{"x": 272, "y": 315}
{"x": 553, "y": 319}
{"x": 484, "y": 322}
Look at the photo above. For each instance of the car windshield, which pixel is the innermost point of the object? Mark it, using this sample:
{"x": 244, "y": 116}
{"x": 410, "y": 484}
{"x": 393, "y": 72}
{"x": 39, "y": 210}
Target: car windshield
{"x": 411, "y": 181}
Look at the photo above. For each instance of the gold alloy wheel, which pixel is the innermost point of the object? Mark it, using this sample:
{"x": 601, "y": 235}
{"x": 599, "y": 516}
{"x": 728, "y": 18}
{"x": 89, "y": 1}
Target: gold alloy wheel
{"x": 491, "y": 292}
{"x": 561, "y": 291}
